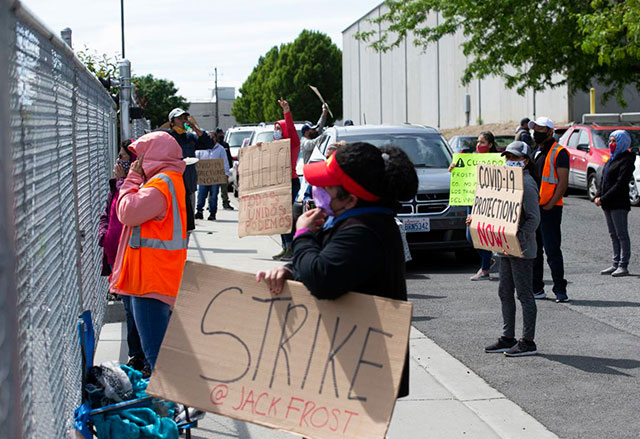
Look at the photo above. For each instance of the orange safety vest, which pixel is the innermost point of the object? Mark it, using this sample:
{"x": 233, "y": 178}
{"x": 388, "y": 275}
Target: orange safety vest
{"x": 550, "y": 176}
{"x": 154, "y": 259}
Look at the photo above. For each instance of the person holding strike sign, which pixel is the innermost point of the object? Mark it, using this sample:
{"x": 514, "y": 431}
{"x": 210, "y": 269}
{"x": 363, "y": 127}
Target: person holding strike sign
{"x": 516, "y": 273}
{"x": 350, "y": 241}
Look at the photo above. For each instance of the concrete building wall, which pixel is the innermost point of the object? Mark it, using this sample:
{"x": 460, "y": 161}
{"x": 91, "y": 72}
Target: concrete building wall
{"x": 580, "y": 102}
{"x": 423, "y": 86}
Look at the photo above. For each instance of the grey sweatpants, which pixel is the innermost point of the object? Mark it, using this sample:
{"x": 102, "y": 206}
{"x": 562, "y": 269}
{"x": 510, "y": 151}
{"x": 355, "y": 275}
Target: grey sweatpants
{"x": 516, "y": 275}
{"x": 617, "y": 223}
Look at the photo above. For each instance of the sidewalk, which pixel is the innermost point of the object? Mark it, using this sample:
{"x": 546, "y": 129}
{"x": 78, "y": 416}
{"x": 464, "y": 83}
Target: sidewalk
{"x": 447, "y": 400}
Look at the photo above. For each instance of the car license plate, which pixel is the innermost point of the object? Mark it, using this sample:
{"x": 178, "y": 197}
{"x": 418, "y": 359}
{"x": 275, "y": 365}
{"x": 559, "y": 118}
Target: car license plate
{"x": 416, "y": 225}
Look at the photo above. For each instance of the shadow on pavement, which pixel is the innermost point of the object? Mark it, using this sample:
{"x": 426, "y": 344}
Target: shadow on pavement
{"x": 421, "y": 318}
{"x": 606, "y": 303}
{"x": 607, "y": 366}
{"x": 424, "y": 296}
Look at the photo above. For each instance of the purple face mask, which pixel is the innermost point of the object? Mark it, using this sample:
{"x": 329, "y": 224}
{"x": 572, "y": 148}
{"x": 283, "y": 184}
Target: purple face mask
{"x": 322, "y": 199}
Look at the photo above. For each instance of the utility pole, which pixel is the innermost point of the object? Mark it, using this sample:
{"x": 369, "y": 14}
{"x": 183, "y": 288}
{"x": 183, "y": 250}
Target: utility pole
{"x": 122, "y": 25}
{"x": 215, "y": 69}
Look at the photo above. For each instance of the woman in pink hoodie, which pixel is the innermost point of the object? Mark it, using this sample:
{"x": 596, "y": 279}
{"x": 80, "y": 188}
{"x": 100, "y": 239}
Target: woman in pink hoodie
{"x": 137, "y": 204}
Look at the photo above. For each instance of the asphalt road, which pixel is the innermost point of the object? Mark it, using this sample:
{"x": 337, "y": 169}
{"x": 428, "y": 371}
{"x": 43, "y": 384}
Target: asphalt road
{"x": 585, "y": 381}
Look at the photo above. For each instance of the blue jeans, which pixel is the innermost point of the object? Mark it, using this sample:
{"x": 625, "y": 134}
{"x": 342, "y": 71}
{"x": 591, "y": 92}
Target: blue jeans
{"x": 549, "y": 237}
{"x": 617, "y": 223}
{"x": 485, "y": 255}
{"x": 287, "y": 239}
{"x": 212, "y": 191}
{"x": 133, "y": 338}
{"x": 152, "y": 319}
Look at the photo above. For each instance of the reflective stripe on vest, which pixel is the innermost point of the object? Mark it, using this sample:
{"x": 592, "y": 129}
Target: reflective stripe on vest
{"x": 551, "y": 178}
{"x": 176, "y": 242}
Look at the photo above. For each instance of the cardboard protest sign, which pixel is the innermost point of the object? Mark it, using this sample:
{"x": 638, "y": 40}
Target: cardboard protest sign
{"x": 265, "y": 206}
{"x": 463, "y": 176}
{"x": 496, "y": 210}
{"x": 317, "y": 92}
{"x": 318, "y": 368}
{"x": 211, "y": 171}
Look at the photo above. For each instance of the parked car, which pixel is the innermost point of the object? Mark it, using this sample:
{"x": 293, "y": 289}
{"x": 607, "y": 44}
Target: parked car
{"x": 429, "y": 221}
{"x": 588, "y": 145}
{"x": 236, "y": 135}
{"x": 467, "y": 144}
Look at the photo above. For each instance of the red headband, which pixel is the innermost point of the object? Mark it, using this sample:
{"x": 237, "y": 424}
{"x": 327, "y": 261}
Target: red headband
{"x": 330, "y": 173}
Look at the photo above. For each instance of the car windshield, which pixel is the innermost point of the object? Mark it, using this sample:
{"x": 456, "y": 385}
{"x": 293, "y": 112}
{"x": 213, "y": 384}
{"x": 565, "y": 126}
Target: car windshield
{"x": 236, "y": 137}
{"x": 424, "y": 150}
{"x": 602, "y": 139}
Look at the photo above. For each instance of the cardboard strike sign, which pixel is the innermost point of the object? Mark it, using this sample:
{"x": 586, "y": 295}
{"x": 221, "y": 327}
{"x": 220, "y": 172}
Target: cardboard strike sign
{"x": 496, "y": 209}
{"x": 211, "y": 171}
{"x": 265, "y": 189}
{"x": 318, "y": 368}
{"x": 463, "y": 176}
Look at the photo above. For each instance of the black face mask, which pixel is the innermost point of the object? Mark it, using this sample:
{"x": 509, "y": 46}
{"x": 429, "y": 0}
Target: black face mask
{"x": 539, "y": 137}
{"x": 313, "y": 134}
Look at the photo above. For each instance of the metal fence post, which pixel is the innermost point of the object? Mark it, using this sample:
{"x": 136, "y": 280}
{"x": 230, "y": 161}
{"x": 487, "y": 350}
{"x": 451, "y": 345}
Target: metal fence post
{"x": 125, "y": 99}
{"x": 10, "y": 412}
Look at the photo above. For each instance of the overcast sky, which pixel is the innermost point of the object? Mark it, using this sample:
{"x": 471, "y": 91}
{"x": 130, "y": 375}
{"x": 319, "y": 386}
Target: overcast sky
{"x": 184, "y": 41}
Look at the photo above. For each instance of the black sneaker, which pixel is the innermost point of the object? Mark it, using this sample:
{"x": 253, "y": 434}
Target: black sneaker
{"x": 199, "y": 215}
{"x": 287, "y": 256}
{"x": 502, "y": 345}
{"x": 562, "y": 298}
{"x": 212, "y": 217}
{"x": 279, "y": 255}
{"x": 522, "y": 349}
{"x": 228, "y": 207}
{"x": 136, "y": 363}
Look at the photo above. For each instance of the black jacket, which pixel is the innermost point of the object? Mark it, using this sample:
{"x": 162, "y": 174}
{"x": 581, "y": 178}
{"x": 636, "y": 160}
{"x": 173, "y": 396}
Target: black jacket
{"x": 190, "y": 142}
{"x": 363, "y": 254}
{"x": 614, "y": 186}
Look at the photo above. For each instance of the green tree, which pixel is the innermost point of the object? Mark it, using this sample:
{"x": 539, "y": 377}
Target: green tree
{"x": 101, "y": 65}
{"x": 286, "y": 71}
{"x": 158, "y": 97}
{"x": 530, "y": 44}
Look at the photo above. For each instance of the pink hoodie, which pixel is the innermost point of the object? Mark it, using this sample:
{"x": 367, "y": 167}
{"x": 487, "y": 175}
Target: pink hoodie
{"x": 159, "y": 152}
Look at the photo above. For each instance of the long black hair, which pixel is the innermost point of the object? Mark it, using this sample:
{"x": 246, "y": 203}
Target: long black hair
{"x": 491, "y": 140}
{"x": 387, "y": 172}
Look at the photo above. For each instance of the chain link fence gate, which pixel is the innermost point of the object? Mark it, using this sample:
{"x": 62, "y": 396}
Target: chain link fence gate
{"x": 62, "y": 147}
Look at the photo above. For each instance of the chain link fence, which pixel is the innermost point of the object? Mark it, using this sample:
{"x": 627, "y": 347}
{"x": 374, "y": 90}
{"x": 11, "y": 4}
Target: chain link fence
{"x": 62, "y": 147}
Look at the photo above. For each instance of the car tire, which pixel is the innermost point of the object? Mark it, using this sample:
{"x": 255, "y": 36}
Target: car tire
{"x": 592, "y": 187}
{"x": 634, "y": 195}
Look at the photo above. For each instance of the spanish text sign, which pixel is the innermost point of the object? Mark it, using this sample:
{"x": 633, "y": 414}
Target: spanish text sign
{"x": 265, "y": 189}
{"x": 496, "y": 210}
{"x": 318, "y": 368}
{"x": 210, "y": 172}
{"x": 463, "y": 176}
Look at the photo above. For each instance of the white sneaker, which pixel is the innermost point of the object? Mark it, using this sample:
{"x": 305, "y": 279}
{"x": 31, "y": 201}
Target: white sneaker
{"x": 480, "y": 276}
{"x": 540, "y": 295}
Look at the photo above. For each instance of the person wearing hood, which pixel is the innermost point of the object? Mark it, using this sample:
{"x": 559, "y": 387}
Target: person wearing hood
{"x": 360, "y": 249}
{"x": 613, "y": 197}
{"x": 285, "y": 129}
{"x": 184, "y": 128}
{"x": 109, "y": 231}
{"x": 153, "y": 246}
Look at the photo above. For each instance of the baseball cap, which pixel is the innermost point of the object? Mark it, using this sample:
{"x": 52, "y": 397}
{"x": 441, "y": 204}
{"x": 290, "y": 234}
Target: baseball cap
{"x": 177, "y": 112}
{"x": 517, "y": 148}
{"x": 541, "y": 122}
{"x": 306, "y": 127}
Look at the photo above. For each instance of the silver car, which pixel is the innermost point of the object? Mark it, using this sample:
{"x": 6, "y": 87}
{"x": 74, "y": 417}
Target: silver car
{"x": 429, "y": 221}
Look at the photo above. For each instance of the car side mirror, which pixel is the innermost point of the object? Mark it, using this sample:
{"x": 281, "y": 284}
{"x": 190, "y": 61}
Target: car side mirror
{"x": 583, "y": 147}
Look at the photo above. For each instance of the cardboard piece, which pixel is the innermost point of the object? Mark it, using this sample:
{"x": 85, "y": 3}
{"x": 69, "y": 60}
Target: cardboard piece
{"x": 265, "y": 206}
{"x": 497, "y": 207}
{"x": 317, "y": 92}
{"x": 318, "y": 368}
{"x": 463, "y": 176}
{"x": 211, "y": 171}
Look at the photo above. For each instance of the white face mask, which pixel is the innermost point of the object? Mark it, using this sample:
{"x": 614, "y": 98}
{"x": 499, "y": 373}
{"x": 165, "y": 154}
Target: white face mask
{"x": 518, "y": 163}
{"x": 277, "y": 135}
